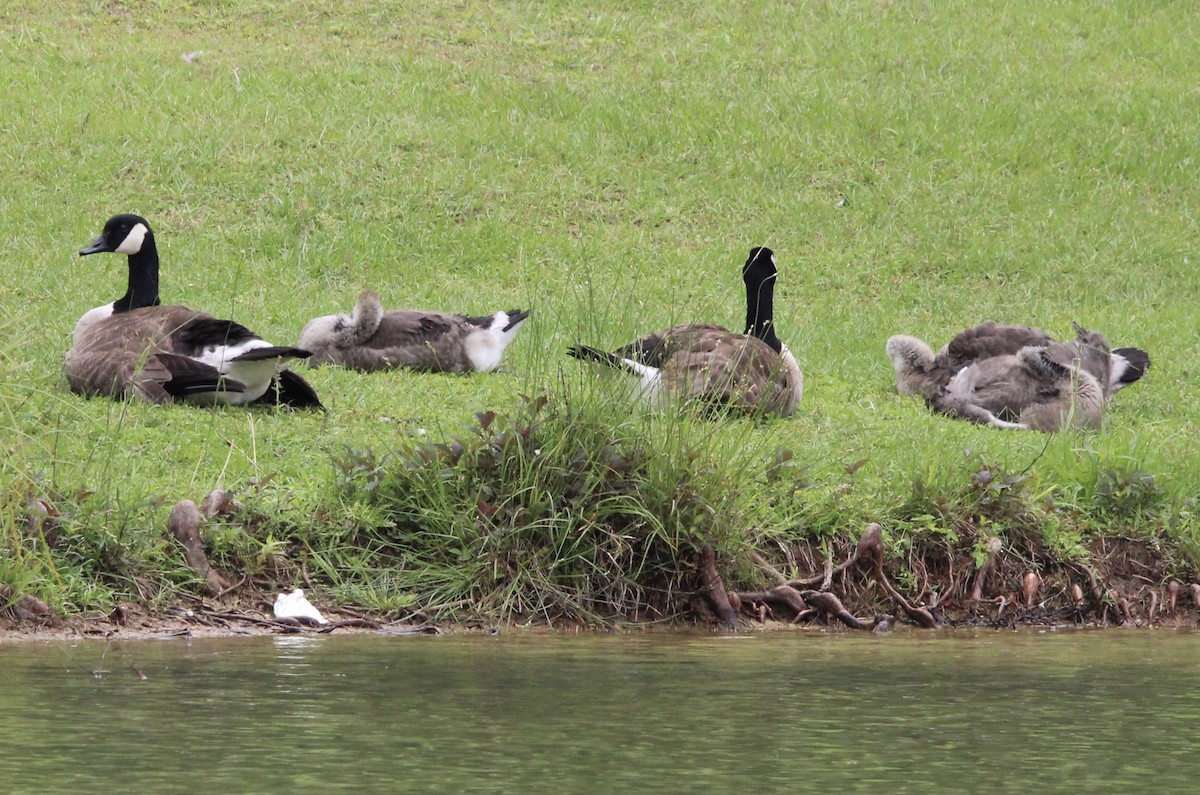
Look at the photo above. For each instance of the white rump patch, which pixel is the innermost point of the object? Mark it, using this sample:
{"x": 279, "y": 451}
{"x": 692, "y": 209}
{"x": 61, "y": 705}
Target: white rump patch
{"x": 255, "y": 375}
{"x": 1118, "y": 364}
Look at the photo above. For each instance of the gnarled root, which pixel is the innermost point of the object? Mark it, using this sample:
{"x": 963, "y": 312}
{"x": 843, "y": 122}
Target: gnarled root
{"x": 714, "y": 588}
{"x": 783, "y": 600}
{"x": 871, "y": 544}
{"x": 24, "y": 606}
{"x": 184, "y": 524}
{"x": 831, "y": 605}
{"x": 994, "y": 546}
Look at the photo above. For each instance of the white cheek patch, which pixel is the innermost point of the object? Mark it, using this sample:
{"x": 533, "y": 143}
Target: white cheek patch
{"x": 132, "y": 243}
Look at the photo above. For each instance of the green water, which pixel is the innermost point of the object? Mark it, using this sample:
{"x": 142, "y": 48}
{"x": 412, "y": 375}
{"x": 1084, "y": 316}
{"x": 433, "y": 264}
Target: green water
{"x": 1072, "y": 712}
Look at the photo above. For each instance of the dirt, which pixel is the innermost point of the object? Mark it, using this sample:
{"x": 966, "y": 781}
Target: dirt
{"x": 201, "y": 620}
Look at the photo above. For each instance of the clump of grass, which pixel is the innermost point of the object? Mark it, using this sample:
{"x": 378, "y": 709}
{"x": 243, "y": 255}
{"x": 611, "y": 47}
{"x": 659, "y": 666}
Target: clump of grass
{"x": 1128, "y": 495}
{"x": 557, "y": 510}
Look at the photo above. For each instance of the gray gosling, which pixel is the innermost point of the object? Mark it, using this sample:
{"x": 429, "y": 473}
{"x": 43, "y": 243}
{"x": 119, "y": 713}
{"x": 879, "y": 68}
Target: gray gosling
{"x": 752, "y": 372}
{"x": 373, "y": 339}
{"x": 1028, "y": 390}
{"x": 921, "y": 372}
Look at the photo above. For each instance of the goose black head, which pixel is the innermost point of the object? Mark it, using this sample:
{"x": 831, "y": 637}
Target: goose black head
{"x": 760, "y": 266}
{"x": 123, "y": 234}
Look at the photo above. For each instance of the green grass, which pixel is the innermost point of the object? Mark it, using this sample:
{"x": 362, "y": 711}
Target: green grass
{"x": 918, "y": 167}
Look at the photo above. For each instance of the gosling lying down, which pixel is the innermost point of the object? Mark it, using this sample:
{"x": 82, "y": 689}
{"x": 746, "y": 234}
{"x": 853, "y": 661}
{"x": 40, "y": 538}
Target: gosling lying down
{"x": 373, "y": 339}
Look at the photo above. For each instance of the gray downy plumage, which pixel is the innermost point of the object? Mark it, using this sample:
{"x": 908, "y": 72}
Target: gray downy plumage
{"x": 921, "y": 372}
{"x": 373, "y": 339}
{"x": 751, "y": 372}
{"x": 136, "y": 347}
{"x": 1030, "y": 390}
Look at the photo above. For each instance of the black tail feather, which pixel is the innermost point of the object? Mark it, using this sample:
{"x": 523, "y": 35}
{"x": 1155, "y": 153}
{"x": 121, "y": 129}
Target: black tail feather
{"x": 272, "y": 352}
{"x": 291, "y": 390}
{"x": 586, "y": 353}
{"x": 1139, "y": 363}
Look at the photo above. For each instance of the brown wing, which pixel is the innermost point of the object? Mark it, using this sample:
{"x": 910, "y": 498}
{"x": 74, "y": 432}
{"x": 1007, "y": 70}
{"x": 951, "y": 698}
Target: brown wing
{"x": 655, "y": 349}
{"x": 119, "y": 356}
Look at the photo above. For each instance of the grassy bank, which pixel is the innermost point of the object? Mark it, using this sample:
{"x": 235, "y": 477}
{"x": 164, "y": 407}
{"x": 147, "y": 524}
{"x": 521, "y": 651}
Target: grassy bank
{"x": 917, "y": 167}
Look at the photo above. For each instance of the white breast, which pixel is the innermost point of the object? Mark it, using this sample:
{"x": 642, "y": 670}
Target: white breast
{"x": 793, "y": 367}
{"x": 89, "y": 319}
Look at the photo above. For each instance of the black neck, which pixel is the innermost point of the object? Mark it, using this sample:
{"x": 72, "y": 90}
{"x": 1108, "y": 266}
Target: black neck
{"x": 143, "y": 279}
{"x": 760, "y": 311}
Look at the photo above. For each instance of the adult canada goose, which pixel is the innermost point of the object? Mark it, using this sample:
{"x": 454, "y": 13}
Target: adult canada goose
{"x": 1030, "y": 389}
{"x": 135, "y": 346}
{"x": 372, "y": 339}
{"x": 920, "y": 372}
{"x": 752, "y": 372}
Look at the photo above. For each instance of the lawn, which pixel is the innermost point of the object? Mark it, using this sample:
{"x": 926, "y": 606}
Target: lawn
{"x": 917, "y": 167}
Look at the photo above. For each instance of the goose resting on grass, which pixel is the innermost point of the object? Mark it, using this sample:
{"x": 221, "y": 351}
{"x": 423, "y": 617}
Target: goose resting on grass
{"x": 372, "y": 339}
{"x": 1028, "y": 390}
{"x": 920, "y": 372}
{"x": 752, "y": 372}
{"x": 135, "y": 346}
{"x": 1017, "y": 376}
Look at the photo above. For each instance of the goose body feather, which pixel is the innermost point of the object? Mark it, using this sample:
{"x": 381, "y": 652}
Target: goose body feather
{"x": 1017, "y": 376}
{"x": 1027, "y": 390}
{"x": 295, "y": 605}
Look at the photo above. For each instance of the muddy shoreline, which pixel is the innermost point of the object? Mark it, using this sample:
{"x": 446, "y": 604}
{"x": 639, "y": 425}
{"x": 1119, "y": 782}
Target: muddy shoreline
{"x": 166, "y": 627}
{"x": 1120, "y": 582}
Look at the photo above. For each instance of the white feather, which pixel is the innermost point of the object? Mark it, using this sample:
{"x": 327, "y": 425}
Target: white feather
{"x": 650, "y": 386}
{"x": 254, "y": 375}
{"x": 89, "y": 319}
{"x": 295, "y": 605}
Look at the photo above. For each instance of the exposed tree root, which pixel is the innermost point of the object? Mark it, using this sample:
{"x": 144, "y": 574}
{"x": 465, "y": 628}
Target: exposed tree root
{"x": 832, "y": 606}
{"x": 1125, "y": 582}
{"x": 25, "y": 607}
{"x": 184, "y": 524}
{"x": 218, "y": 502}
{"x": 714, "y": 588}
{"x": 981, "y": 575}
{"x": 797, "y": 600}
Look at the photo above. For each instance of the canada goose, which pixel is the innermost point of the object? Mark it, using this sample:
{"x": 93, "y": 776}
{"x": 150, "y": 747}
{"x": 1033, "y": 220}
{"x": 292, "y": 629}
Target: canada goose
{"x": 1030, "y": 389}
{"x": 920, "y": 372}
{"x": 372, "y": 339}
{"x": 134, "y": 346}
{"x": 753, "y": 371}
